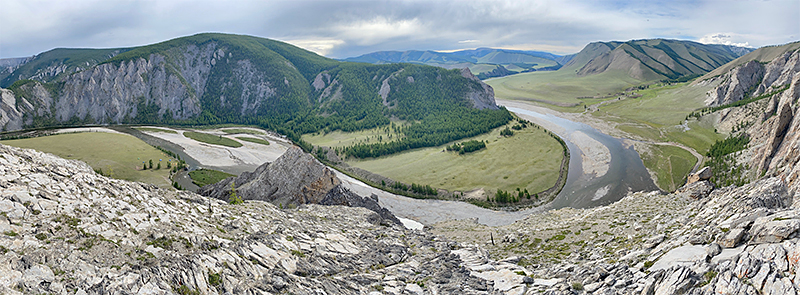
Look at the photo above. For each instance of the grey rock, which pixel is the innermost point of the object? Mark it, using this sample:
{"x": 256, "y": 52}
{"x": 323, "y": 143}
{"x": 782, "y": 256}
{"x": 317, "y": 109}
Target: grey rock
{"x": 731, "y": 238}
{"x": 704, "y": 174}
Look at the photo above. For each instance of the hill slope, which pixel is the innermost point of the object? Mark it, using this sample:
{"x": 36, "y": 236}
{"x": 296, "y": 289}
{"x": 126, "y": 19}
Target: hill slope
{"x": 221, "y": 78}
{"x": 655, "y": 59}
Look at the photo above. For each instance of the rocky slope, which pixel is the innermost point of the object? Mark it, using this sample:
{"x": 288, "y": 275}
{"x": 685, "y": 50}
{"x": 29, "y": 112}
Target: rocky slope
{"x": 697, "y": 241}
{"x": 753, "y": 78}
{"x": 67, "y": 230}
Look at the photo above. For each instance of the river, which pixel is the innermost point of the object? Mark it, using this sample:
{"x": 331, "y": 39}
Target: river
{"x": 602, "y": 170}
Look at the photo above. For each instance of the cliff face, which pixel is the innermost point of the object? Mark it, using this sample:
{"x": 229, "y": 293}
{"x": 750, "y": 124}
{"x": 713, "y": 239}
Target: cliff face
{"x": 294, "y": 178}
{"x": 753, "y": 78}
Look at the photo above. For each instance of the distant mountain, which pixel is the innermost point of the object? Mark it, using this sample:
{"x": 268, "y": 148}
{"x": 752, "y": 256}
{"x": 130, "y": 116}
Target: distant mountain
{"x": 222, "y": 78}
{"x": 483, "y": 62}
{"x": 653, "y": 59}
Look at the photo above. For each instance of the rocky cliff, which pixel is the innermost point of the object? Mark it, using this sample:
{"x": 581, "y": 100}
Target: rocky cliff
{"x": 754, "y": 78}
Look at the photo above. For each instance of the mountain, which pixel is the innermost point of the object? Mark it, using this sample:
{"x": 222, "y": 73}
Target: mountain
{"x": 222, "y": 78}
{"x": 484, "y": 62}
{"x": 56, "y": 63}
{"x": 653, "y": 59}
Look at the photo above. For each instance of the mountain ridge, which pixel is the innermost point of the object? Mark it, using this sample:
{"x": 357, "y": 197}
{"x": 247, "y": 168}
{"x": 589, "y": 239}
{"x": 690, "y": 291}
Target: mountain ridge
{"x": 221, "y": 78}
{"x": 653, "y": 59}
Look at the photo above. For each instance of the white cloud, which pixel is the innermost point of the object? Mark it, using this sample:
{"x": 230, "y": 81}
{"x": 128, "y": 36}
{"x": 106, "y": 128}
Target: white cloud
{"x": 318, "y": 46}
{"x": 379, "y": 29}
{"x": 724, "y": 39}
{"x": 468, "y": 41}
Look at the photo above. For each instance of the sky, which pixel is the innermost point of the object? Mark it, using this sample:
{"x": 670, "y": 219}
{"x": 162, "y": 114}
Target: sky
{"x": 341, "y": 29}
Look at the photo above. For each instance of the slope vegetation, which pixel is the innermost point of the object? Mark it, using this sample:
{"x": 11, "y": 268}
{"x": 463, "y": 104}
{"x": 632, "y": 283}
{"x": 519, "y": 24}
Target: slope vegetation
{"x": 220, "y": 78}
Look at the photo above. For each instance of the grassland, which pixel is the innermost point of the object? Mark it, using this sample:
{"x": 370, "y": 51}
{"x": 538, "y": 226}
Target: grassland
{"x": 151, "y": 129}
{"x": 203, "y": 177}
{"x": 253, "y": 140}
{"x": 212, "y": 139}
{"x": 529, "y": 160}
{"x": 660, "y": 113}
{"x": 670, "y": 164}
{"x": 560, "y": 89}
{"x": 342, "y": 139}
{"x": 118, "y": 155}
{"x": 242, "y": 131}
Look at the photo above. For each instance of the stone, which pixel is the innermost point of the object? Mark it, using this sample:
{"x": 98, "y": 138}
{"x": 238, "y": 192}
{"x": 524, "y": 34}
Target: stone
{"x": 731, "y": 238}
{"x": 703, "y": 174}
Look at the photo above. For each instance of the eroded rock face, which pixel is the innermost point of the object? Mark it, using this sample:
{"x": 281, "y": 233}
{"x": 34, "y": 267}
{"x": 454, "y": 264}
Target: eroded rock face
{"x": 294, "y": 178}
{"x": 67, "y": 230}
{"x": 480, "y": 99}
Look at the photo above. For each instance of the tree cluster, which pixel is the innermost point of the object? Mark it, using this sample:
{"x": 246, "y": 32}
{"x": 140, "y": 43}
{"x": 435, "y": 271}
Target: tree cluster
{"x": 466, "y": 147}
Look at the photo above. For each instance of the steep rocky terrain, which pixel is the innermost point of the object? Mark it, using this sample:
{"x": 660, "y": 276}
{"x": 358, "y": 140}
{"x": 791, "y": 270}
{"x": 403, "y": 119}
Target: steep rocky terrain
{"x": 67, "y": 230}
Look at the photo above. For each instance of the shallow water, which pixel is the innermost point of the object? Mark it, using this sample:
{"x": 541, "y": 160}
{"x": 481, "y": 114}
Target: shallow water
{"x": 626, "y": 172}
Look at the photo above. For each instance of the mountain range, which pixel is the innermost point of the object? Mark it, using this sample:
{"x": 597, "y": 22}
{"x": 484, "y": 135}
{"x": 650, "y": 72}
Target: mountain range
{"x": 653, "y": 59}
{"x": 483, "y": 62}
{"x": 222, "y": 78}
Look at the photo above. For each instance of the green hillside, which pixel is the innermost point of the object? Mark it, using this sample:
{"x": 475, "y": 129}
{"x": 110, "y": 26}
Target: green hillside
{"x": 256, "y": 81}
{"x": 51, "y": 65}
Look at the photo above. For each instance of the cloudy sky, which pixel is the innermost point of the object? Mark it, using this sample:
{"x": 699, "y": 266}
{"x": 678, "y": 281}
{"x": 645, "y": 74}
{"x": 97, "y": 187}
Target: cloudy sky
{"x": 341, "y": 29}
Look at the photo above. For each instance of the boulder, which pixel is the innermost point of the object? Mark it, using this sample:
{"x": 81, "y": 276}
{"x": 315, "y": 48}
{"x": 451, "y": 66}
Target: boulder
{"x": 703, "y": 174}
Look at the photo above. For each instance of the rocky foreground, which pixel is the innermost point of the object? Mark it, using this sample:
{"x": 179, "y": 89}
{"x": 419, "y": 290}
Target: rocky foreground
{"x": 68, "y": 230}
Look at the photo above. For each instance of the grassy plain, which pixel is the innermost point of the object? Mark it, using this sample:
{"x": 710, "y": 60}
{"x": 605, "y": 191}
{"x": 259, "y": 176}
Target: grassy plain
{"x": 202, "y": 177}
{"x": 153, "y": 129}
{"x": 659, "y": 114}
{"x": 530, "y": 160}
{"x": 118, "y": 155}
{"x": 670, "y": 164}
{"x": 212, "y": 139}
{"x": 560, "y": 89}
{"x": 253, "y": 140}
{"x": 341, "y": 139}
{"x": 242, "y": 131}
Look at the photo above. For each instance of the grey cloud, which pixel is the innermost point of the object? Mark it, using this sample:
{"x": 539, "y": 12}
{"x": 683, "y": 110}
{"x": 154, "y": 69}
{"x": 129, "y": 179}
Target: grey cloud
{"x": 349, "y": 28}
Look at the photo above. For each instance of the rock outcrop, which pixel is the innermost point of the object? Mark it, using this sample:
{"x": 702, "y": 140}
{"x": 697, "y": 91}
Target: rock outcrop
{"x": 753, "y": 78}
{"x": 483, "y": 98}
{"x": 294, "y": 178}
{"x": 68, "y": 230}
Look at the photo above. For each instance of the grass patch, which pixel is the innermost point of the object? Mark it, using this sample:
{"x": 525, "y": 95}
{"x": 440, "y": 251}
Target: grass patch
{"x": 670, "y": 164}
{"x": 203, "y": 177}
{"x": 253, "y": 140}
{"x": 151, "y": 129}
{"x": 242, "y": 131}
{"x": 530, "y": 160}
{"x": 342, "y": 139}
{"x": 117, "y": 155}
{"x": 212, "y": 139}
{"x": 560, "y": 89}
